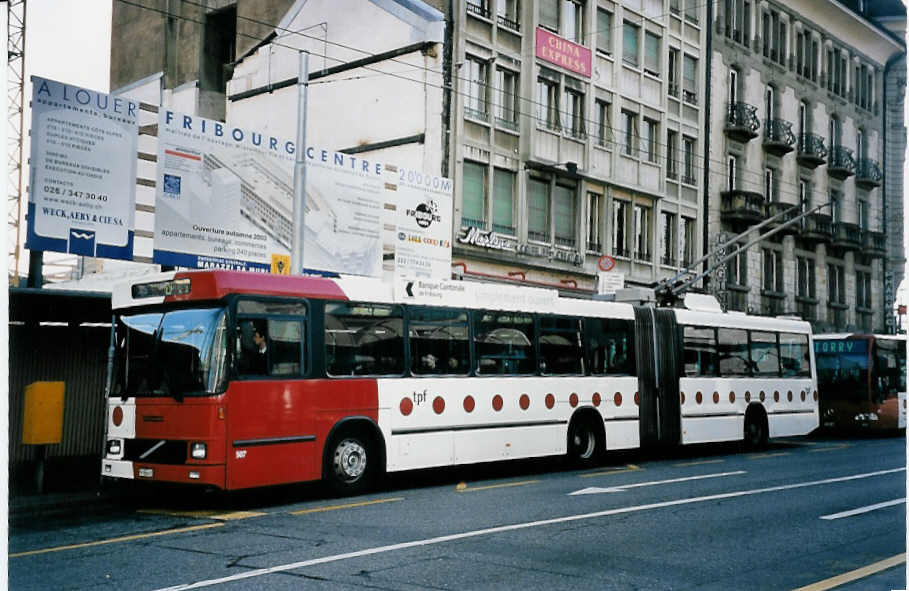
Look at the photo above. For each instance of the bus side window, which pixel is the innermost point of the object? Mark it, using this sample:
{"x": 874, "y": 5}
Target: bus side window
{"x": 504, "y": 343}
{"x": 439, "y": 342}
{"x": 732, "y": 347}
{"x": 285, "y": 340}
{"x": 252, "y": 348}
{"x": 700, "y": 351}
{"x": 795, "y": 356}
{"x": 364, "y": 339}
{"x": 610, "y": 346}
{"x": 560, "y": 346}
{"x": 765, "y": 355}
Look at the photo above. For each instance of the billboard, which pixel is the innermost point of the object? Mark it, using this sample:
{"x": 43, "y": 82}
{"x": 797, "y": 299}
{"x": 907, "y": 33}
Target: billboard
{"x": 225, "y": 200}
{"x": 82, "y": 186}
{"x": 423, "y": 203}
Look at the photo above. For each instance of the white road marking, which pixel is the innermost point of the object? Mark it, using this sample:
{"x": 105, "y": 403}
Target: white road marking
{"x": 621, "y": 488}
{"x": 517, "y": 526}
{"x": 866, "y": 509}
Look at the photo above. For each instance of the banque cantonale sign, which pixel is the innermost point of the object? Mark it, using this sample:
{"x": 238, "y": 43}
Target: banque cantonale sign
{"x": 491, "y": 240}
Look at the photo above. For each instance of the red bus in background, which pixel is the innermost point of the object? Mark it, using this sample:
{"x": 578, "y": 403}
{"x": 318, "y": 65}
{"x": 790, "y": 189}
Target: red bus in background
{"x": 236, "y": 380}
{"x": 861, "y": 381}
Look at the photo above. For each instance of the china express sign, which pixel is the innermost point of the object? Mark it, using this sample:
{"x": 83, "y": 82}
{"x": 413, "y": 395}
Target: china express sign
{"x": 563, "y": 53}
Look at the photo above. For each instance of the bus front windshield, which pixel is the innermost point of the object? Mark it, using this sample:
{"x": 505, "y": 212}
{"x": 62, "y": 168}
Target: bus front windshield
{"x": 170, "y": 353}
{"x": 842, "y": 369}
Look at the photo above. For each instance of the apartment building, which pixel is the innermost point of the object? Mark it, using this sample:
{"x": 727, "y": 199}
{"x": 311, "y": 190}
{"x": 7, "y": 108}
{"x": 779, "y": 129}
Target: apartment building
{"x": 576, "y": 134}
{"x": 797, "y": 125}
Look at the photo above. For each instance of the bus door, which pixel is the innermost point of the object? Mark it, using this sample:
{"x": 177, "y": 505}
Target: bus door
{"x": 658, "y": 346}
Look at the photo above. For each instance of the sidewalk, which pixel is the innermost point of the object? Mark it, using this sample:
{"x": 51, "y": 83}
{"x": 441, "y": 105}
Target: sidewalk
{"x": 56, "y": 505}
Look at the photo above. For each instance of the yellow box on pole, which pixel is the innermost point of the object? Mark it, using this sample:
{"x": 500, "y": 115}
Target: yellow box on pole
{"x": 43, "y": 413}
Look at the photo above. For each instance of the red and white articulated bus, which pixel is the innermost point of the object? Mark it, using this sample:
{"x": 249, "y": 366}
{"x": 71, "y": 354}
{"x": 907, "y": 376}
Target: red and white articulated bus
{"x": 862, "y": 381}
{"x": 235, "y": 380}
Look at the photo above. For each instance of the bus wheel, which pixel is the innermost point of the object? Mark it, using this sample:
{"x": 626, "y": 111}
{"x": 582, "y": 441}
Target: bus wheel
{"x": 585, "y": 443}
{"x": 755, "y": 429}
{"x": 350, "y": 463}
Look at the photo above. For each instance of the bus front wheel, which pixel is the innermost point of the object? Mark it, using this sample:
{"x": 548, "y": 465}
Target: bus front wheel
{"x": 351, "y": 460}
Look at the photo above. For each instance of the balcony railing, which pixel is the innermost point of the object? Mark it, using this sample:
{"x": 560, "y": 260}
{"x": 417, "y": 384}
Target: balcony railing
{"x": 538, "y": 236}
{"x": 841, "y": 163}
{"x": 507, "y": 124}
{"x": 847, "y": 236}
{"x": 868, "y": 174}
{"x": 477, "y": 9}
{"x": 812, "y": 151}
{"x": 874, "y": 244}
{"x": 742, "y": 122}
{"x": 476, "y": 113}
{"x": 817, "y": 228}
{"x": 775, "y": 208}
{"x": 741, "y": 207}
{"x": 502, "y": 229}
{"x": 504, "y": 21}
{"x": 473, "y": 223}
{"x": 690, "y": 97}
{"x": 778, "y": 136}
{"x": 566, "y": 241}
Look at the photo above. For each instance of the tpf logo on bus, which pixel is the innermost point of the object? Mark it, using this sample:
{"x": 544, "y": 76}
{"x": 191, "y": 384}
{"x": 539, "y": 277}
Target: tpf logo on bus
{"x": 425, "y": 214}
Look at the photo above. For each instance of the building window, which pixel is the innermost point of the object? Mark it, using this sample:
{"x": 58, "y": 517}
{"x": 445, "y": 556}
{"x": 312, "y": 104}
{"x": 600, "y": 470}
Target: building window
{"x": 564, "y": 213}
{"x": 629, "y": 132}
{"x": 688, "y": 175}
{"x": 836, "y": 200}
{"x": 573, "y": 110}
{"x": 475, "y": 99}
{"x": 538, "y": 210}
{"x": 737, "y": 268}
{"x": 573, "y": 21}
{"x": 672, "y": 151}
{"x": 473, "y": 209}
{"x": 862, "y": 290}
{"x": 507, "y": 107}
{"x": 863, "y": 218}
{"x": 732, "y": 163}
{"x": 619, "y": 228}
{"x": 604, "y": 128}
{"x": 773, "y": 270}
{"x": 667, "y": 238}
{"x": 630, "y": 32}
{"x": 503, "y": 201}
{"x": 649, "y": 137}
{"x": 547, "y": 103}
{"x": 806, "y": 281}
{"x": 549, "y": 15}
{"x": 604, "y": 31}
{"x": 652, "y": 53}
{"x": 642, "y": 233}
{"x": 507, "y": 12}
{"x": 836, "y": 284}
{"x": 593, "y": 223}
{"x": 687, "y": 247}
{"x": 834, "y": 132}
{"x": 691, "y": 10}
{"x": 770, "y": 186}
{"x": 690, "y": 82}
{"x": 673, "y": 73}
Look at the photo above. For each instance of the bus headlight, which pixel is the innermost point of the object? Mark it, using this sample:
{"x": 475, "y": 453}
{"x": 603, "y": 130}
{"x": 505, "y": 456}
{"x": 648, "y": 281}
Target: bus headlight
{"x": 198, "y": 450}
{"x": 114, "y": 447}
{"x": 870, "y": 416}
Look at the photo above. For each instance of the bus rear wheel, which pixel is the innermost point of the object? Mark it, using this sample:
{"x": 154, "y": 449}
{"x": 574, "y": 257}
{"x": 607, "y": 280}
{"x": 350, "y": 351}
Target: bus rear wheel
{"x": 351, "y": 461}
{"x": 755, "y": 430}
{"x": 585, "y": 443}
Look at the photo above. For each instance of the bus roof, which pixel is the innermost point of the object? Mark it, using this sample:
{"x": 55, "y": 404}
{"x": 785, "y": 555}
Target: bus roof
{"x": 208, "y": 285}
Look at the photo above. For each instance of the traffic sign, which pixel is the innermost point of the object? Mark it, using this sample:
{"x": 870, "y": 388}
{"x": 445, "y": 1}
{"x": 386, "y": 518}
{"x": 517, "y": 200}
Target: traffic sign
{"x": 606, "y": 263}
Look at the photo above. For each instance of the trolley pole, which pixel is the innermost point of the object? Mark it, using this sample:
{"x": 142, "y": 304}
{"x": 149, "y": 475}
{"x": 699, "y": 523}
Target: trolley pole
{"x": 296, "y": 256}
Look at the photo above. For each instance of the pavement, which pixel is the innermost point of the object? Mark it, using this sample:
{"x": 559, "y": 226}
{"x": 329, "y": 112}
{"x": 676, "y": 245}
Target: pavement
{"x": 26, "y": 507}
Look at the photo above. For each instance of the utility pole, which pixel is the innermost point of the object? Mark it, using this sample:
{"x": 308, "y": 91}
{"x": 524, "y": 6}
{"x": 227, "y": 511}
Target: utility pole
{"x": 299, "y": 227}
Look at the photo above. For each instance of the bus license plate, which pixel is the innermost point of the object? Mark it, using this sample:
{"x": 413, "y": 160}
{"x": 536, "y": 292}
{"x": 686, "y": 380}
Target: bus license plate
{"x": 146, "y": 473}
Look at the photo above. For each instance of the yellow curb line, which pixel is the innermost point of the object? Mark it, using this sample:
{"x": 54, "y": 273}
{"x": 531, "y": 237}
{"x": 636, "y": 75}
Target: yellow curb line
{"x": 856, "y": 574}
{"x": 347, "y": 506}
{"x": 465, "y": 488}
{"x": 166, "y": 532}
{"x": 629, "y": 468}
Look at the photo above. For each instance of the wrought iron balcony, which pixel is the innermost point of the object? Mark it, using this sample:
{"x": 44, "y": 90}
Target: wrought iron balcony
{"x": 817, "y": 228}
{"x": 868, "y": 174}
{"x": 841, "y": 164}
{"x": 812, "y": 151}
{"x": 741, "y": 207}
{"x": 477, "y": 9}
{"x": 775, "y": 208}
{"x": 847, "y": 236}
{"x": 874, "y": 244}
{"x": 512, "y": 24}
{"x": 778, "y": 137}
{"x": 741, "y": 122}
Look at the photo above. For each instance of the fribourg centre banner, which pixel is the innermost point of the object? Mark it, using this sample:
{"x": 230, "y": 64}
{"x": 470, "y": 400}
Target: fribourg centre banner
{"x": 225, "y": 200}
{"x": 82, "y": 186}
